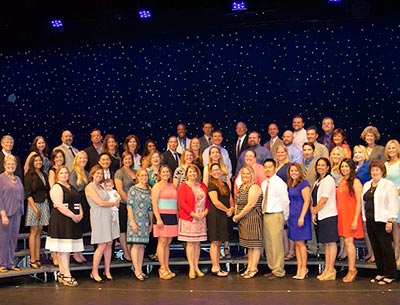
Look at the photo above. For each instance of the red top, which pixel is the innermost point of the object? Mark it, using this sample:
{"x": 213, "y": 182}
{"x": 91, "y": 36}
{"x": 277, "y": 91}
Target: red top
{"x": 186, "y": 200}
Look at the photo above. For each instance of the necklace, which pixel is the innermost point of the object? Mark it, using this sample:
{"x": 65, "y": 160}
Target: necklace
{"x": 12, "y": 178}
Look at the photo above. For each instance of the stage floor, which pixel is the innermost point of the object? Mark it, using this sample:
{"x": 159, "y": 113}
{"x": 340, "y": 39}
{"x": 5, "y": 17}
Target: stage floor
{"x": 207, "y": 290}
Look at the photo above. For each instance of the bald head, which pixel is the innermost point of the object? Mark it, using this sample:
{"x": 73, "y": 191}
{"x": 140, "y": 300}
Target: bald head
{"x": 66, "y": 137}
{"x": 287, "y": 137}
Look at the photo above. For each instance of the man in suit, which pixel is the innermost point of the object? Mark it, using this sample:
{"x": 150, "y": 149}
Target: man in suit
{"x": 171, "y": 156}
{"x": 327, "y": 126}
{"x": 94, "y": 150}
{"x": 67, "y": 148}
{"x": 240, "y": 145}
{"x": 183, "y": 141}
{"x": 320, "y": 149}
{"x": 274, "y": 140}
{"x": 205, "y": 140}
{"x": 7, "y": 144}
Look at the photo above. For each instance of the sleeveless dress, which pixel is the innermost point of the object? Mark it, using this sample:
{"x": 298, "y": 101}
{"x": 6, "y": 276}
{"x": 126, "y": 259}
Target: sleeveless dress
{"x": 219, "y": 226}
{"x": 250, "y": 226}
{"x": 168, "y": 209}
{"x": 64, "y": 235}
{"x": 196, "y": 230}
{"x": 393, "y": 174}
{"x": 104, "y": 227}
{"x": 346, "y": 206}
{"x": 295, "y": 208}
{"x": 139, "y": 201}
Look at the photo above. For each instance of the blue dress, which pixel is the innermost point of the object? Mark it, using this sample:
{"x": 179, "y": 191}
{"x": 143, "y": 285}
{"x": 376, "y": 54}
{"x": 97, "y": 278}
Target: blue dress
{"x": 140, "y": 202}
{"x": 295, "y": 207}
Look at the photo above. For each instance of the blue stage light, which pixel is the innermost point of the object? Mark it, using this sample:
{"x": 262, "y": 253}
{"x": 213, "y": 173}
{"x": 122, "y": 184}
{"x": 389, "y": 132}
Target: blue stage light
{"x": 239, "y": 6}
{"x": 56, "y": 23}
{"x": 335, "y": 1}
{"x": 144, "y": 14}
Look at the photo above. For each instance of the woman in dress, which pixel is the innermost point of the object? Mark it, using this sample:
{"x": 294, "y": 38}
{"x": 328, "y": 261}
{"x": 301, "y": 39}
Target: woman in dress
{"x": 38, "y": 212}
{"x": 39, "y": 146}
{"x": 79, "y": 178}
{"x": 339, "y": 139}
{"x": 197, "y": 157}
{"x": 124, "y": 179}
{"x": 335, "y": 157}
{"x": 193, "y": 209}
{"x": 219, "y": 222}
{"x": 299, "y": 221}
{"x": 132, "y": 144}
{"x": 149, "y": 148}
{"x": 57, "y": 159}
{"x": 140, "y": 220}
{"x": 282, "y": 160}
{"x": 154, "y": 167}
{"x": 324, "y": 216}
{"x": 371, "y": 135}
{"x": 110, "y": 145}
{"x": 360, "y": 158}
{"x": 179, "y": 175}
{"x": 104, "y": 227}
{"x": 11, "y": 210}
{"x": 380, "y": 210}
{"x": 64, "y": 234}
{"x": 392, "y": 154}
{"x": 248, "y": 215}
{"x": 348, "y": 199}
{"x": 165, "y": 224}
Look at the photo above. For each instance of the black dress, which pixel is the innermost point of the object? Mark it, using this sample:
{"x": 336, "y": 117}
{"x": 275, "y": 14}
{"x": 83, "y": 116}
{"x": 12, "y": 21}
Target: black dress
{"x": 219, "y": 226}
{"x": 64, "y": 234}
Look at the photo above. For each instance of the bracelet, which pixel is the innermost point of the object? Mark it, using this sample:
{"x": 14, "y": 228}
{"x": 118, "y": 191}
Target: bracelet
{"x": 390, "y": 221}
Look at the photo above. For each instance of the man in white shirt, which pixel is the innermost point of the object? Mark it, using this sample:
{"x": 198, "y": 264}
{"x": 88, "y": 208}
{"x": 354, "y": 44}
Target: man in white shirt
{"x": 216, "y": 140}
{"x": 67, "y": 148}
{"x": 300, "y": 134}
{"x": 275, "y": 209}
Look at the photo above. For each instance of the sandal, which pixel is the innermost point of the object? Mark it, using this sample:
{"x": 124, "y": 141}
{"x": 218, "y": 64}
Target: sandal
{"x": 289, "y": 257}
{"x": 377, "y": 279}
{"x": 220, "y": 273}
{"x": 227, "y": 253}
{"x": 15, "y": 268}
{"x": 386, "y": 281}
{"x": 3, "y": 270}
{"x": 69, "y": 281}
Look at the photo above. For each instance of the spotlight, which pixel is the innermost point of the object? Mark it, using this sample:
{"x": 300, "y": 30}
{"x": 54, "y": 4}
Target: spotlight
{"x": 239, "y": 6}
{"x": 56, "y": 23}
{"x": 335, "y": 1}
{"x": 144, "y": 14}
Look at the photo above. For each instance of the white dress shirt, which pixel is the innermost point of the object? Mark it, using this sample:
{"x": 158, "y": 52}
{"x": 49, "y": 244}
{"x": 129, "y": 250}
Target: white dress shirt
{"x": 277, "y": 197}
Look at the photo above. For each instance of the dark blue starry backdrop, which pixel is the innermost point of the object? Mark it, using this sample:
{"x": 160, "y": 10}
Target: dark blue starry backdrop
{"x": 146, "y": 86}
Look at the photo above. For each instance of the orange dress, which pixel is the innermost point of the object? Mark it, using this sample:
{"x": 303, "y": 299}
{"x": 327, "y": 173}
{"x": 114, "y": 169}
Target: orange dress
{"x": 346, "y": 207}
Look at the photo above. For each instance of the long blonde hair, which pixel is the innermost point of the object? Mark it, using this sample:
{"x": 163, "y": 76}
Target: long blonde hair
{"x": 81, "y": 177}
{"x": 221, "y": 163}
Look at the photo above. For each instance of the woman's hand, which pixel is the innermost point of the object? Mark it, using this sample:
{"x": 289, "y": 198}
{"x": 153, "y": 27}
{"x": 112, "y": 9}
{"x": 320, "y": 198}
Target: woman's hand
{"x": 4, "y": 220}
{"x": 354, "y": 225}
{"x": 37, "y": 214}
{"x": 314, "y": 219}
{"x": 160, "y": 223}
{"x": 236, "y": 219}
{"x": 389, "y": 227}
{"x": 300, "y": 222}
{"x": 135, "y": 229}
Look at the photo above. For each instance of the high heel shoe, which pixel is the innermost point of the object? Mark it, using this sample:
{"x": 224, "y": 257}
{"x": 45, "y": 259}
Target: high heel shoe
{"x": 140, "y": 277}
{"x": 192, "y": 275}
{"x": 164, "y": 275}
{"x": 329, "y": 276}
{"x": 199, "y": 273}
{"x": 244, "y": 273}
{"x": 108, "y": 278}
{"x": 297, "y": 277}
{"x": 350, "y": 276}
{"x": 96, "y": 280}
{"x": 251, "y": 274}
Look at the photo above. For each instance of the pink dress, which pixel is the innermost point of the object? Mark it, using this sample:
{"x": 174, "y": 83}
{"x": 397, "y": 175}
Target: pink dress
{"x": 168, "y": 208}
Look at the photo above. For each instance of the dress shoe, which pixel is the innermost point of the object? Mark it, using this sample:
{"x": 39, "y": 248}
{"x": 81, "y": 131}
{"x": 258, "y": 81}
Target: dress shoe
{"x": 298, "y": 277}
{"x": 220, "y": 273}
{"x": 96, "y": 280}
{"x": 140, "y": 277}
{"x": 192, "y": 275}
{"x": 110, "y": 278}
{"x": 199, "y": 273}
{"x": 164, "y": 275}
{"x": 328, "y": 276}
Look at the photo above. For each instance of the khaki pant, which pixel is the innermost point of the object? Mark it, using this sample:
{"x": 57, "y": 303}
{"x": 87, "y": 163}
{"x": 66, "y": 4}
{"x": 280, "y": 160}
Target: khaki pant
{"x": 273, "y": 242}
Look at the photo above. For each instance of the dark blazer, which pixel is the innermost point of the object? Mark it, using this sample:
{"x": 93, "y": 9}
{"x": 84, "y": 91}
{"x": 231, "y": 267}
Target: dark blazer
{"x": 274, "y": 146}
{"x": 93, "y": 157}
{"x": 18, "y": 171}
{"x": 234, "y": 160}
{"x": 203, "y": 144}
{"x": 168, "y": 159}
{"x": 35, "y": 188}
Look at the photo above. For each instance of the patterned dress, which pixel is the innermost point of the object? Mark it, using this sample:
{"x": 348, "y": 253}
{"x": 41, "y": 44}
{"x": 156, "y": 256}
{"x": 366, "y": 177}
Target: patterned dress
{"x": 250, "y": 226}
{"x": 139, "y": 201}
{"x": 196, "y": 230}
{"x": 393, "y": 174}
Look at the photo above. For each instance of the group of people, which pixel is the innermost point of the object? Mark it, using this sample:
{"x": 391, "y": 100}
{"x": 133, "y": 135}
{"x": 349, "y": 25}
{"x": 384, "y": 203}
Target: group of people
{"x": 294, "y": 196}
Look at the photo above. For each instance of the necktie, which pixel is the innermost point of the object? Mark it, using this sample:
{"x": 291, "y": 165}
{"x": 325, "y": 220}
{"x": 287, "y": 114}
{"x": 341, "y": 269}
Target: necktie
{"x": 209, "y": 141}
{"x": 72, "y": 151}
{"x": 238, "y": 149}
{"x": 265, "y": 200}
{"x": 176, "y": 158}
{"x": 306, "y": 165}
